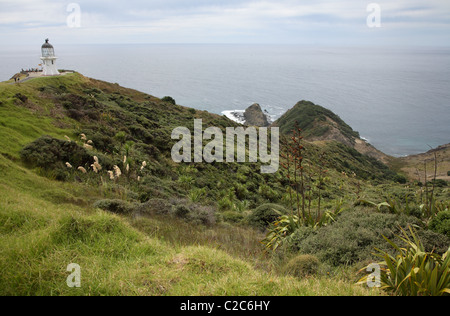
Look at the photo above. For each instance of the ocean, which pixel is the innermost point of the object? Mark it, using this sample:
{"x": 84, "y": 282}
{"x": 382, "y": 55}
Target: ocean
{"x": 398, "y": 99}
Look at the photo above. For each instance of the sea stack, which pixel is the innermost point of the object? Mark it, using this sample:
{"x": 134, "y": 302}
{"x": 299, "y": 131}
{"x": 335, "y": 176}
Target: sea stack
{"x": 254, "y": 116}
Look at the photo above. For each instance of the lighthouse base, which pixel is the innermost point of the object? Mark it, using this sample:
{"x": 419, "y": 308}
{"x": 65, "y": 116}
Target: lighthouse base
{"x": 49, "y": 67}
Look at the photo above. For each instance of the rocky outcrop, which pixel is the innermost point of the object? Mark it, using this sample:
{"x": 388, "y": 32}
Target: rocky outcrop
{"x": 254, "y": 116}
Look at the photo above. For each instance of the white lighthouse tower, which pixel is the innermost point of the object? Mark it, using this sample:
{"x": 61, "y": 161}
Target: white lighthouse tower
{"x": 49, "y": 60}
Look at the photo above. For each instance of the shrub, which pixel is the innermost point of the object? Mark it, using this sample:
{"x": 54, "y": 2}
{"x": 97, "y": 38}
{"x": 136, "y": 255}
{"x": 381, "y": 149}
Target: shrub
{"x": 169, "y": 100}
{"x": 439, "y": 183}
{"x": 268, "y": 193}
{"x": 58, "y": 175}
{"x": 115, "y": 206}
{"x": 241, "y": 191}
{"x": 180, "y": 211}
{"x": 154, "y": 206}
{"x": 192, "y": 212}
{"x": 50, "y": 153}
{"x": 225, "y": 204}
{"x": 232, "y": 217}
{"x": 21, "y": 97}
{"x": 351, "y": 238}
{"x": 302, "y": 266}
{"x": 435, "y": 242}
{"x": 79, "y": 107}
{"x": 299, "y": 235}
{"x": 204, "y": 215}
{"x": 265, "y": 214}
{"x": 141, "y": 133}
{"x": 400, "y": 179}
{"x": 197, "y": 195}
{"x": 102, "y": 142}
{"x": 441, "y": 223}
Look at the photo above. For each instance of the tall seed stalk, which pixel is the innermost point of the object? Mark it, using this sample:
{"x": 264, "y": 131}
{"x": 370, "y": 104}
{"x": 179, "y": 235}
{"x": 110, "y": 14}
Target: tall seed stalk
{"x": 297, "y": 153}
{"x": 286, "y": 155}
{"x": 322, "y": 173}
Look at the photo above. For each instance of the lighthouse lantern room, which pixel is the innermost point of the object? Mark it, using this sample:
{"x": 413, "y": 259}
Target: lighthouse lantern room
{"x": 49, "y": 60}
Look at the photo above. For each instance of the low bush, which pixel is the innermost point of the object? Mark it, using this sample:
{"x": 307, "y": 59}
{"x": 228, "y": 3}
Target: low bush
{"x": 232, "y": 217}
{"x": 354, "y": 235}
{"x": 81, "y": 108}
{"x": 154, "y": 207}
{"x": 50, "y": 153}
{"x": 169, "y": 100}
{"x": 299, "y": 235}
{"x": 265, "y": 214}
{"x": 115, "y": 206}
{"x": 180, "y": 211}
{"x": 204, "y": 215}
{"x": 439, "y": 183}
{"x": 441, "y": 223}
{"x": 302, "y": 266}
{"x": 400, "y": 179}
{"x": 21, "y": 97}
{"x": 433, "y": 241}
{"x": 192, "y": 212}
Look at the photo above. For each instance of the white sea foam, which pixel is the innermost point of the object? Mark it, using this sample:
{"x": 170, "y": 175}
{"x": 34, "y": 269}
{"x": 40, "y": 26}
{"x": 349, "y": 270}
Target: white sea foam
{"x": 235, "y": 115}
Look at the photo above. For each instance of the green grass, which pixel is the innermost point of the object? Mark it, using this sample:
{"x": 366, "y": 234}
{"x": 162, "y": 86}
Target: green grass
{"x": 39, "y": 239}
{"x": 312, "y": 119}
{"x": 19, "y": 127}
{"x": 46, "y": 225}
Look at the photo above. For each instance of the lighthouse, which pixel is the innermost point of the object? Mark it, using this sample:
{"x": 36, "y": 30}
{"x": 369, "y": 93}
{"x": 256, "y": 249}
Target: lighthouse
{"x": 49, "y": 60}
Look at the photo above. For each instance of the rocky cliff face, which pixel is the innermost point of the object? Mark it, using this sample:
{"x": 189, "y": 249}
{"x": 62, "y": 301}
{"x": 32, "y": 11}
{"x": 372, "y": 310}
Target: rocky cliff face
{"x": 254, "y": 116}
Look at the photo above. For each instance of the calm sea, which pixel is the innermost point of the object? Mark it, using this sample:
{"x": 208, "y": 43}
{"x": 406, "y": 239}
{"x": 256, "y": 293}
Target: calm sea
{"x": 398, "y": 99}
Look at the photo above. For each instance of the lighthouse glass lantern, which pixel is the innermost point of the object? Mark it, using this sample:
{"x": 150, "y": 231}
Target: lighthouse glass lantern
{"x": 49, "y": 60}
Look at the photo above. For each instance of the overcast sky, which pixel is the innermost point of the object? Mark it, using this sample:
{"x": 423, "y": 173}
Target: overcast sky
{"x": 305, "y": 22}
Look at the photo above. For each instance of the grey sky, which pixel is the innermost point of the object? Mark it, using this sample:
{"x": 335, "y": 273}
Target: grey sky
{"x": 321, "y": 22}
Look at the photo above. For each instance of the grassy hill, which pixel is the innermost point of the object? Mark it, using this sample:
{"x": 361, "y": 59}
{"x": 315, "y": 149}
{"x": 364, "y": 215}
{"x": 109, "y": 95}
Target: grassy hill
{"x": 414, "y": 166}
{"x": 320, "y": 124}
{"x": 46, "y": 225}
{"x": 160, "y": 228}
{"x": 315, "y": 121}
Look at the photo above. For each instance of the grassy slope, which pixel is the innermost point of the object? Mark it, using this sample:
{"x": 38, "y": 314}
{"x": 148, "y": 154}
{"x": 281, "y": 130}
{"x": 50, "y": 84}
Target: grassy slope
{"x": 46, "y": 225}
{"x": 414, "y": 166}
{"x": 321, "y": 125}
{"x": 312, "y": 119}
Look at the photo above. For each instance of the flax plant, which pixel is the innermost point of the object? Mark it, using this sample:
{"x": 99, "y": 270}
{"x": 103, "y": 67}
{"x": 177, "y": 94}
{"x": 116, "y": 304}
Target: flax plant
{"x": 413, "y": 271}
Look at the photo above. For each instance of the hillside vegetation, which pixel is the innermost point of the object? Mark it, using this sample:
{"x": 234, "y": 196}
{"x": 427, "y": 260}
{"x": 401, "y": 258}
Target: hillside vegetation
{"x": 320, "y": 124}
{"x": 86, "y": 177}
